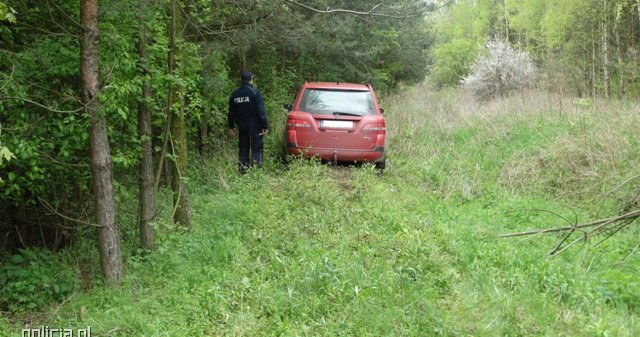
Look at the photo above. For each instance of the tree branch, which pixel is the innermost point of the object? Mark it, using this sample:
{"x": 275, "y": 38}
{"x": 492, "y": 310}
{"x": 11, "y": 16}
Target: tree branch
{"x": 43, "y": 106}
{"x": 177, "y": 202}
{"x": 64, "y": 13}
{"x": 51, "y": 209}
{"x": 600, "y": 228}
{"x": 371, "y": 12}
{"x": 628, "y": 216}
{"x": 61, "y": 162}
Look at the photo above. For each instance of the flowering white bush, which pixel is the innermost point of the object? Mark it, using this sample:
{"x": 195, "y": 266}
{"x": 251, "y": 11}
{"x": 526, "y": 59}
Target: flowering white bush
{"x": 505, "y": 69}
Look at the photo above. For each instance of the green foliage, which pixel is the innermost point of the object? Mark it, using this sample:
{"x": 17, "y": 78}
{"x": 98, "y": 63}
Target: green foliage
{"x": 568, "y": 39}
{"x": 7, "y": 13}
{"x": 31, "y": 279}
{"x": 32, "y": 133}
{"x": 460, "y": 30}
{"x": 5, "y": 154}
{"x": 4, "y": 327}
{"x": 453, "y": 63}
{"x": 331, "y": 47}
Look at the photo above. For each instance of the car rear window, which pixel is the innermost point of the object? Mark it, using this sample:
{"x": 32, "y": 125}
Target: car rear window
{"x": 331, "y": 101}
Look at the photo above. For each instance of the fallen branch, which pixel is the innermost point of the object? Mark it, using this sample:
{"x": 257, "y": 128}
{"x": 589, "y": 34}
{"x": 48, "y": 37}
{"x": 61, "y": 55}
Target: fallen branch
{"x": 603, "y": 227}
{"x": 631, "y": 215}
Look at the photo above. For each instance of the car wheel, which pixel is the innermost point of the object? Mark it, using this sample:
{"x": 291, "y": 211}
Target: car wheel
{"x": 380, "y": 165}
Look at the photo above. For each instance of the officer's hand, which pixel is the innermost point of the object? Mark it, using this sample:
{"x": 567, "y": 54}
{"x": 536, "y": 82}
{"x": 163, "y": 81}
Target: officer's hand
{"x": 265, "y": 131}
{"x": 233, "y": 132}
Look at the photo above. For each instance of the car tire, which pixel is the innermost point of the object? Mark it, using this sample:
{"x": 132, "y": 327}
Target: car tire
{"x": 380, "y": 165}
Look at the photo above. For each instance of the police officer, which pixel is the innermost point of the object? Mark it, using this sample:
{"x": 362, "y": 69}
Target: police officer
{"x": 246, "y": 111}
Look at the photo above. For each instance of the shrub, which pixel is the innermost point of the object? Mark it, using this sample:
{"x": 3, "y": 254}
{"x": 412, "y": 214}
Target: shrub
{"x": 34, "y": 278}
{"x": 500, "y": 72}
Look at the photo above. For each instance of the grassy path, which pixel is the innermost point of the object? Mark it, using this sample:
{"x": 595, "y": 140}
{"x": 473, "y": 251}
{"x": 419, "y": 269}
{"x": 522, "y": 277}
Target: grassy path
{"x": 349, "y": 253}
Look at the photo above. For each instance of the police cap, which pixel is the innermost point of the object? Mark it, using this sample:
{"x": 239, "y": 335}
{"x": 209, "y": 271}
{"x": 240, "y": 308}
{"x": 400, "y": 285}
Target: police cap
{"x": 246, "y": 76}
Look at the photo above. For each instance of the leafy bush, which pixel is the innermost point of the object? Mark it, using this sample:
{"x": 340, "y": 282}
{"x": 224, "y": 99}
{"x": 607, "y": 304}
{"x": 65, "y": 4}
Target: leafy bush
{"x": 502, "y": 71}
{"x": 452, "y": 62}
{"x": 32, "y": 279}
{"x": 4, "y": 327}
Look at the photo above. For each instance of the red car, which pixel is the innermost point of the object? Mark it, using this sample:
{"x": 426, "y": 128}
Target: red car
{"x": 337, "y": 122}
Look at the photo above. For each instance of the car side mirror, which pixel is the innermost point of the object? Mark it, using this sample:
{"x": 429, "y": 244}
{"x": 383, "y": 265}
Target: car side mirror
{"x": 381, "y": 110}
{"x": 288, "y": 106}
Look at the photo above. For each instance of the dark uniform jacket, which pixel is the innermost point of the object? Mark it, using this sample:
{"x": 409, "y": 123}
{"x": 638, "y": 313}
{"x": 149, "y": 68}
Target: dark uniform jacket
{"x": 246, "y": 109}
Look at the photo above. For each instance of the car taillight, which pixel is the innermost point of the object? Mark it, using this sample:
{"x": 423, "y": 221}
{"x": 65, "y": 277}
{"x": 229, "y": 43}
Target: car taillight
{"x": 297, "y": 124}
{"x": 377, "y": 128}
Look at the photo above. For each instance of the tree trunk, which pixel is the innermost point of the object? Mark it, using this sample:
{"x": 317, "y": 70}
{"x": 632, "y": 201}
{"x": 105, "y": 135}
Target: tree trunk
{"x": 161, "y": 171}
{"x": 147, "y": 197}
{"x": 101, "y": 168}
{"x": 593, "y": 63}
{"x": 243, "y": 60}
{"x": 171, "y": 61}
{"x": 621, "y": 67}
{"x": 506, "y": 21}
{"x": 605, "y": 53}
{"x": 179, "y": 170}
{"x": 178, "y": 136}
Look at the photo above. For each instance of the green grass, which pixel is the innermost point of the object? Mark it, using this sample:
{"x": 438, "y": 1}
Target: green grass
{"x": 311, "y": 250}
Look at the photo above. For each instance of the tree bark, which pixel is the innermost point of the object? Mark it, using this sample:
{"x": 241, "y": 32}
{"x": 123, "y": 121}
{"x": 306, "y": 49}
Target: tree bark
{"x": 147, "y": 196}
{"x": 178, "y": 136}
{"x": 243, "y": 59}
{"x": 100, "y": 157}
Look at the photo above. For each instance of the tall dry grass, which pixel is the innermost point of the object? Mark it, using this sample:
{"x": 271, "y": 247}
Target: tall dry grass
{"x": 568, "y": 146}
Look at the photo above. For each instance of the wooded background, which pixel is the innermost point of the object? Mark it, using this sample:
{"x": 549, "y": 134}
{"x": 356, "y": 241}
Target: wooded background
{"x": 141, "y": 81}
{"x": 585, "y": 47}
{"x": 95, "y": 97}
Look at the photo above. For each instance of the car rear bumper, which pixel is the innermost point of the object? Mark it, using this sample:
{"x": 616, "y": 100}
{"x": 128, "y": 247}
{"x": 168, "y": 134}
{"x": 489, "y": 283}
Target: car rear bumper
{"x": 336, "y": 154}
